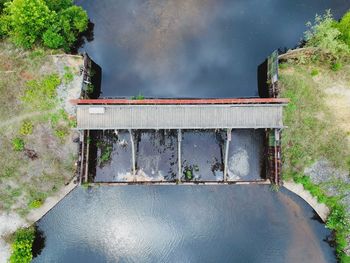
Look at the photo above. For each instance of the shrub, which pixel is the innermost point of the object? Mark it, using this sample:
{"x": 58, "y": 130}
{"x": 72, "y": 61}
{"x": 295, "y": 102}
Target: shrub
{"x": 61, "y": 133}
{"x": 344, "y": 27}
{"x": 18, "y": 144}
{"x": 314, "y": 72}
{"x": 337, "y": 66}
{"x": 323, "y": 34}
{"x": 35, "y": 204}
{"x": 22, "y": 246}
{"x": 26, "y": 128}
{"x": 138, "y": 97}
{"x": 106, "y": 154}
{"x": 68, "y": 75}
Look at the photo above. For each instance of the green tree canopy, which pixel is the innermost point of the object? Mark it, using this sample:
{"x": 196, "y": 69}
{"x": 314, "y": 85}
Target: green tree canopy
{"x": 58, "y": 5}
{"x": 27, "y": 20}
{"x": 54, "y": 23}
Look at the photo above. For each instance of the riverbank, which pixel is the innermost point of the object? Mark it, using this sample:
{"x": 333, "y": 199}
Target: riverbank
{"x": 38, "y": 148}
{"x": 316, "y": 142}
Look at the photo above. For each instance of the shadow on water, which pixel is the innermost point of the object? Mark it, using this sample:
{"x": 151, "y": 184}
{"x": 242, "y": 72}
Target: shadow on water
{"x": 84, "y": 37}
{"x": 96, "y": 79}
{"x": 262, "y": 80}
{"x": 39, "y": 242}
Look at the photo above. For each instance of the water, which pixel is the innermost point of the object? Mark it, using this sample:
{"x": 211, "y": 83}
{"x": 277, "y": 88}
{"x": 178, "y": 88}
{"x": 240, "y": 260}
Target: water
{"x": 193, "y": 48}
{"x": 187, "y": 48}
{"x": 183, "y": 224}
{"x": 156, "y": 155}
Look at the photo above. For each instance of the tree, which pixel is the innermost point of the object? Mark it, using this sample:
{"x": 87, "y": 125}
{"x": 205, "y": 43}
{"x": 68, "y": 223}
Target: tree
{"x": 58, "y": 5}
{"x": 72, "y": 21}
{"x": 54, "y": 23}
{"x": 53, "y": 39}
{"x": 26, "y": 21}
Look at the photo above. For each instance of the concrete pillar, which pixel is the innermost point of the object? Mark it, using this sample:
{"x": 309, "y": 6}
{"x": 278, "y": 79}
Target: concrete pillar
{"x": 228, "y": 140}
{"x": 133, "y": 153}
{"x": 179, "y": 140}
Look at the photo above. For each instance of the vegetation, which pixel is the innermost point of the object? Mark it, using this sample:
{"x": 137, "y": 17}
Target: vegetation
{"x": 55, "y": 24}
{"x": 22, "y": 245}
{"x": 26, "y": 128}
{"x": 138, "y": 97}
{"x": 32, "y": 118}
{"x": 106, "y": 149}
{"x": 18, "y": 144}
{"x": 328, "y": 36}
{"x": 41, "y": 94}
{"x": 35, "y": 204}
{"x": 188, "y": 174}
{"x": 68, "y": 75}
{"x": 315, "y": 124}
{"x": 343, "y": 26}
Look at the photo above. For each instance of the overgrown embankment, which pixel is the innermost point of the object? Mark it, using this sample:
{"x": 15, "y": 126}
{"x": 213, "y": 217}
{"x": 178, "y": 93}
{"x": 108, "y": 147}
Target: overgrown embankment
{"x": 37, "y": 152}
{"x": 316, "y": 144}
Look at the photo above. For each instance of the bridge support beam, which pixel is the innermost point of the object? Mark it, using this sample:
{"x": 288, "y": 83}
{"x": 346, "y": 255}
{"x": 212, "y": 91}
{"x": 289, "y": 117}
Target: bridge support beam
{"x": 82, "y": 155}
{"x": 179, "y": 161}
{"x": 228, "y": 140}
{"x": 133, "y": 153}
{"x": 87, "y": 157}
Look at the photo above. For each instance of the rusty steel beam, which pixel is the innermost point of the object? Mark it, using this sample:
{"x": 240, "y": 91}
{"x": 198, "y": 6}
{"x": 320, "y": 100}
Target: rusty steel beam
{"x": 180, "y": 101}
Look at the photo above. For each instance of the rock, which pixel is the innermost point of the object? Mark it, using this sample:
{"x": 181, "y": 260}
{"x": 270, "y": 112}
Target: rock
{"x": 322, "y": 171}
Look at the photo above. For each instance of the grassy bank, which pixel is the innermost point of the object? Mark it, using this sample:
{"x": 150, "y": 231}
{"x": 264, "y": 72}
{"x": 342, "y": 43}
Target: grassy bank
{"x": 318, "y": 130}
{"x": 37, "y": 155}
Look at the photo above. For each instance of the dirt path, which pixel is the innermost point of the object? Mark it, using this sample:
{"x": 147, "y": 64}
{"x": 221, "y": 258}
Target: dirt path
{"x": 22, "y": 117}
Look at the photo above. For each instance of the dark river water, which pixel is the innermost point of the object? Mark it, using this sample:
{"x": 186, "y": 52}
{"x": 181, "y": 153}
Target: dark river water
{"x": 224, "y": 223}
{"x": 193, "y": 48}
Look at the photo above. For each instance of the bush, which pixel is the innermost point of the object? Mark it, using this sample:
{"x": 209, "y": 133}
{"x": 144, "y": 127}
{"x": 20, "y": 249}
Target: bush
{"x": 35, "y": 204}
{"x": 61, "y": 133}
{"x": 325, "y": 35}
{"x": 336, "y": 66}
{"x": 314, "y": 72}
{"x": 68, "y": 75}
{"x": 18, "y": 144}
{"x": 344, "y": 28}
{"x": 22, "y": 246}
{"x": 26, "y": 128}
